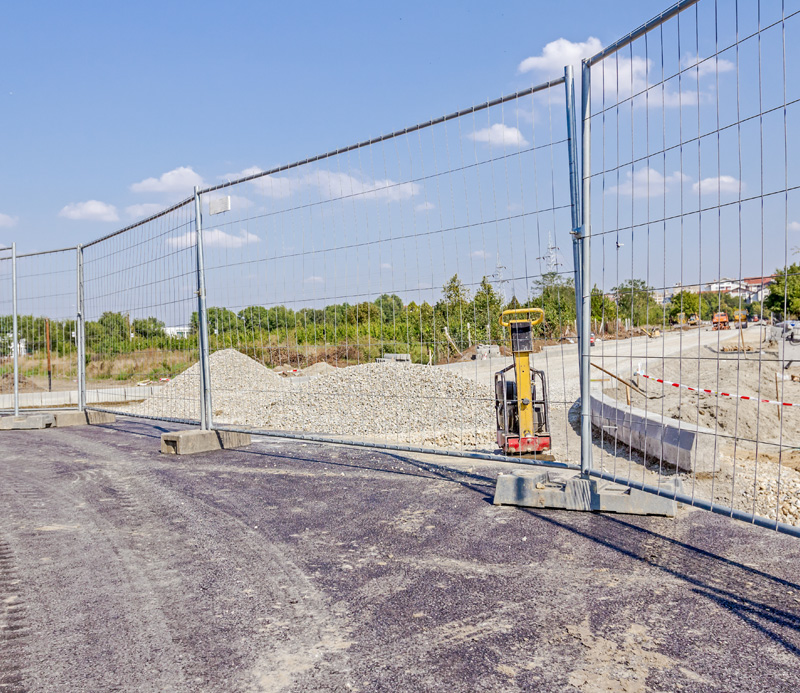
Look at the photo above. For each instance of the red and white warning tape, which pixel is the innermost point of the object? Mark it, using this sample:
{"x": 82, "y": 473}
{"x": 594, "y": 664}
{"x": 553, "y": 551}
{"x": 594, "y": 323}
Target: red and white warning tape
{"x": 714, "y": 392}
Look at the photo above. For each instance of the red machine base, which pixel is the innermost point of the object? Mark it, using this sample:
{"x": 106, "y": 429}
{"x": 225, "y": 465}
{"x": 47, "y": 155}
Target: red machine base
{"x": 514, "y": 445}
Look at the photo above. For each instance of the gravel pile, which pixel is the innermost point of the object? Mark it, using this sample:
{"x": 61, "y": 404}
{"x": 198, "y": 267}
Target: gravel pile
{"x": 238, "y": 385}
{"x": 398, "y": 402}
{"x": 405, "y": 403}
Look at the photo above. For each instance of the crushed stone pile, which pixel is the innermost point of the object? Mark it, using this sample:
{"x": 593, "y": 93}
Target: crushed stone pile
{"x": 406, "y": 403}
{"x": 399, "y": 402}
{"x": 238, "y": 385}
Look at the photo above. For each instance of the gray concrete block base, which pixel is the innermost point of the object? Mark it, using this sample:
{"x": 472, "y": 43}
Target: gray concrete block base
{"x": 545, "y": 489}
{"x": 194, "y": 441}
{"x": 26, "y": 422}
{"x": 82, "y": 418}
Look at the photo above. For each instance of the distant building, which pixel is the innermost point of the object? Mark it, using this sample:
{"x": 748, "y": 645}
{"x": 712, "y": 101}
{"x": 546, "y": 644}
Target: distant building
{"x": 7, "y": 346}
{"x": 181, "y": 332}
{"x": 749, "y": 289}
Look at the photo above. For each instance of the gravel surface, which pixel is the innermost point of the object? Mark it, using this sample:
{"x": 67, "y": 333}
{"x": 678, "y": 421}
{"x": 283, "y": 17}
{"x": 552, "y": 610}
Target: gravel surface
{"x": 304, "y": 568}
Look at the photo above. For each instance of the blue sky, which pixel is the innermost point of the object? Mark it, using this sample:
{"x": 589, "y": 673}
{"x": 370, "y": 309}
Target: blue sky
{"x": 113, "y": 113}
{"x": 101, "y": 100}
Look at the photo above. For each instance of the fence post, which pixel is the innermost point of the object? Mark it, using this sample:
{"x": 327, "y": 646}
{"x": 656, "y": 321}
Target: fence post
{"x": 14, "y": 328}
{"x": 80, "y": 333}
{"x": 586, "y": 262}
{"x": 206, "y": 422}
{"x": 575, "y": 199}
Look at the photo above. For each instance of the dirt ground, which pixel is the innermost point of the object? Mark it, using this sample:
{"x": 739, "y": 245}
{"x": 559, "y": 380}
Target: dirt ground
{"x": 756, "y": 444}
{"x": 297, "y": 567}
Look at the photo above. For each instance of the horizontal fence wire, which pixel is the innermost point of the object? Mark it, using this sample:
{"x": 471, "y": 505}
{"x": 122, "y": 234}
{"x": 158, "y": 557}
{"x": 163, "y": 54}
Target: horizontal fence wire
{"x": 46, "y": 344}
{"x": 140, "y": 307}
{"x": 358, "y": 295}
{"x": 694, "y": 217}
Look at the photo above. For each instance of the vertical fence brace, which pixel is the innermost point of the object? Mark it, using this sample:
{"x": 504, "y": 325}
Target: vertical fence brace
{"x": 585, "y": 256}
{"x": 206, "y": 422}
{"x": 575, "y": 197}
{"x": 80, "y": 331}
{"x": 15, "y": 330}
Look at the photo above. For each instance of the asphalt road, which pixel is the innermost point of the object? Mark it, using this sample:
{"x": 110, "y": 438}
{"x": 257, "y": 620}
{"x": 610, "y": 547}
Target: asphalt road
{"x": 297, "y": 567}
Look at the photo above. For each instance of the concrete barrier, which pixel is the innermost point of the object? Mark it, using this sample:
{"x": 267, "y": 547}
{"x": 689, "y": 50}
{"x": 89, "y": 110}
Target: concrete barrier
{"x": 680, "y": 444}
{"x": 64, "y": 398}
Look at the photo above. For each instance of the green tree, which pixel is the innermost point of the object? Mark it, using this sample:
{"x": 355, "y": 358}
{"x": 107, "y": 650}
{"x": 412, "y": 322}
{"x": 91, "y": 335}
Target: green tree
{"x": 256, "y": 318}
{"x": 686, "y": 302}
{"x": 114, "y": 326}
{"x": 486, "y": 308}
{"x": 784, "y": 292}
{"x": 148, "y": 327}
{"x": 603, "y": 308}
{"x": 455, "y": 294}
{"x": 636, "y": 303}
{"x": 555, "y": 294}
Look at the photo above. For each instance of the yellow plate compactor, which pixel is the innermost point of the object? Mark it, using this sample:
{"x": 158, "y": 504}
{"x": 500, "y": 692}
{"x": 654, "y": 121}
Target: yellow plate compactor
{"x": 521, "y": 402}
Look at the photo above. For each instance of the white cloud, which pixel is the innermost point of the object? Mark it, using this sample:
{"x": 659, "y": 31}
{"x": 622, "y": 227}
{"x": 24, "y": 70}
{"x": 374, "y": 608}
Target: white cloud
{"x": 314, "y": 279}
{"x": 143, "y": 210}
{"x": 706, "y": 67}
{"x": 499, "y": 135}
{"x": 178, "y": 180}
{"x": 646, "y": 182}
{"x": 240, "y": 202}
{"x": 329, "y": 184}
{"x": 794, "y": 226}
{"x": 336, "y": 185}
{"x": 621, "y": 76}
{"x": 480, "y": 255}
{"x": 718, "y": 184}
{"x": 386, "y": 266}
{"x": 250, "y": 171}
{"x": 215, "y": 238}
{"x": 6, "y": 221}
{"x": 91, "y": 210}
{"x": 556, "y": 54}
{"x": 425, "y": 207}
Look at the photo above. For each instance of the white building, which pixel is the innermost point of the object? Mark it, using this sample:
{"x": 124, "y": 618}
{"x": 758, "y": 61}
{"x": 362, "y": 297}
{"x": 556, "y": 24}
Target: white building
{"x": 181, "y": 332}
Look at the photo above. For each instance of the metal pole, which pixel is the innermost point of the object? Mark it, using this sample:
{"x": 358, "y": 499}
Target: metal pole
{"x": 206, "y": 422}
{"x": 575, "y": 198}
{"x": 586, "y": 259}
{"x": 80, "y": 334}
{"x": 15, "y": 329}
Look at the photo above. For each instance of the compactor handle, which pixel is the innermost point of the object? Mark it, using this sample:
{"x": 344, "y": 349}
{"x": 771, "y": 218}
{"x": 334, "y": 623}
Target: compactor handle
{"x": 517, "y": 311}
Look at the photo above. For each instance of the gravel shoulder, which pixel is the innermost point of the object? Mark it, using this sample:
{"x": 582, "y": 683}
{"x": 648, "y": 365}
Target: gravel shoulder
{"x": 297, "y": 567}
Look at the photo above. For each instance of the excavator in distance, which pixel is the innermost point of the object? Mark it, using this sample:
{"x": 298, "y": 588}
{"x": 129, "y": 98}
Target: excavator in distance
{"x": 521, "y": 405}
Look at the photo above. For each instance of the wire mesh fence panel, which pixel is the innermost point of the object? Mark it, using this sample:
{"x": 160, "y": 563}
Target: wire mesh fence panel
{"x": 358, "y": 294}
{"x": 46, "y": 332}
{"x": 6, "y": 333}
{"x": 694, "y": 214}
{"x": 140, "y": 307}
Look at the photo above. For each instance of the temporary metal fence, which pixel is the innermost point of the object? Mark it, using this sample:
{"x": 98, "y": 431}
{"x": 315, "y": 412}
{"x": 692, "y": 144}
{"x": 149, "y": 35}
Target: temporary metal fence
{"x": 402, "y": 248}
{"x": 355, "y": 296}
{"x": 139, "y": 291}
{"x": 39, "y": 337}
{"x": 690, "y": 124}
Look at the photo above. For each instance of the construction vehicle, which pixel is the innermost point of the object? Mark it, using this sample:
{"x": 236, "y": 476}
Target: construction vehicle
{"x": 694, "y": 319}
{"x": 523, "y": 426}
{"x": 679, "y": 319}
{"x": 740, "y": 318}
{"x": 720, "y": 322}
